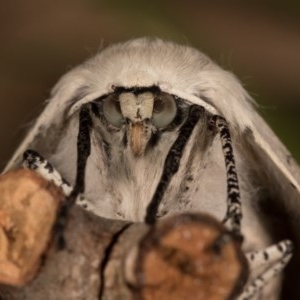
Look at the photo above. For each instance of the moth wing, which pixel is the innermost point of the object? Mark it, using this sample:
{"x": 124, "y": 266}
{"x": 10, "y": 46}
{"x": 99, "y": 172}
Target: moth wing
{"x": 282, "y": 176}
{"x": 50, "y": 127}
{"x": 282, "y": 169}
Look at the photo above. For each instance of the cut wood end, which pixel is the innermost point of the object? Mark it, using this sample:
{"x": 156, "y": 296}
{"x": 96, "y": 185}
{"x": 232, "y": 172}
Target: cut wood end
{"x": 28, "y": 210}
{"x": 189, "y": 256}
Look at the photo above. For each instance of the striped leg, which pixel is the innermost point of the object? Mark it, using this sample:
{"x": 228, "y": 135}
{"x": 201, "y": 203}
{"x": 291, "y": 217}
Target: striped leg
{"x": 34, "y": 161}
{"x": 272, "y": 260}
{"x": 172, "y": 162}
{"x": 234, "y": 210}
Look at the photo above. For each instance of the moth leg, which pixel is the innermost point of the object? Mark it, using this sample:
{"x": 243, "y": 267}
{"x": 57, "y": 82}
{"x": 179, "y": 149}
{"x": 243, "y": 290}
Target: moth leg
{"x": 172, "y": 161}
{"x": 83, "y": 152}
{"x": 234, "y": 210}
{"x": 272, "y": 260}
{"x": 34, "y": 161}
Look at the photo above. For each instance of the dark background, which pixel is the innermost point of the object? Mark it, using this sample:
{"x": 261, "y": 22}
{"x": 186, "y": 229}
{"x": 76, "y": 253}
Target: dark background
{"x": 41, "y": 40}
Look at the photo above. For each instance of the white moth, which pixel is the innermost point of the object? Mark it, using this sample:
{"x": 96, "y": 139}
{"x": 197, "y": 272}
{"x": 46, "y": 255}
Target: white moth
{"x": 134, "y": 101}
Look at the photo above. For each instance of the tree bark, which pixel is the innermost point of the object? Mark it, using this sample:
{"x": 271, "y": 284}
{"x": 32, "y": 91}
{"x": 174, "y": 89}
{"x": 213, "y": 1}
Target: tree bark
{"x": 187, "y": 256}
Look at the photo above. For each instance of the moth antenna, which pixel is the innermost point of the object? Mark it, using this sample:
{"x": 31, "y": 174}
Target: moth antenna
{"x": 83, "y": 152}
{"x": 234, "y": 209}
{"x": 172, "y": 161}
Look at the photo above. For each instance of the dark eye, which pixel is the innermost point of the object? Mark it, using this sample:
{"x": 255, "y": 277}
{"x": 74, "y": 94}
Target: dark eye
{"x": 112, "y": 110}
{"x": 164, "y": 110}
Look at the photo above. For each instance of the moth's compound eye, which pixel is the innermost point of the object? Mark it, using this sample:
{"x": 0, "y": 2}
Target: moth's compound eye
{"x": 112, "y": 110}
{"x": 164, "y": 110}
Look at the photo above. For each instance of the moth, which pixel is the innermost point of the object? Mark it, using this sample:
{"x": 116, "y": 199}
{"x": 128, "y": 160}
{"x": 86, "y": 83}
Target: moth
{"x": 143, "y": 130}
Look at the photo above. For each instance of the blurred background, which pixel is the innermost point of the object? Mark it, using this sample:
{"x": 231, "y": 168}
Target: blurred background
{"x": 41, "y": 40}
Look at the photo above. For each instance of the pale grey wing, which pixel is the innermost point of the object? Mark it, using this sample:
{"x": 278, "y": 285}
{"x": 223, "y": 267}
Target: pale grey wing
{"x": 280, "y": 207}
{"x": 49, "y": 127}
{"x": 42, "y": 137}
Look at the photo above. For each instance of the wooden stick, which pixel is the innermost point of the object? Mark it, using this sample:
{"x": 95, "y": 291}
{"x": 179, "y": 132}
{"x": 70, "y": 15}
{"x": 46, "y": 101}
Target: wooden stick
{"x": 188, "y": 256}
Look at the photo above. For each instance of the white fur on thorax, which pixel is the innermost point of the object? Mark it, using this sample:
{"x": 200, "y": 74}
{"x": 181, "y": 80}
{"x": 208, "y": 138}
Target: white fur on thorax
{"x": 179, "y": 70}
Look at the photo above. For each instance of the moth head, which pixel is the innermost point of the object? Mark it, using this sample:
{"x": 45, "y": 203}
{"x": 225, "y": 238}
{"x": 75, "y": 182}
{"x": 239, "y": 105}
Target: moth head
{"x": 139, "y": 112}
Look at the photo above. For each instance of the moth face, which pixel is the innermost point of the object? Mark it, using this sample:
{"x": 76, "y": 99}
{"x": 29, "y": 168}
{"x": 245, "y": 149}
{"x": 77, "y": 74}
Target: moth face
{"x": 141, "y": 114}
